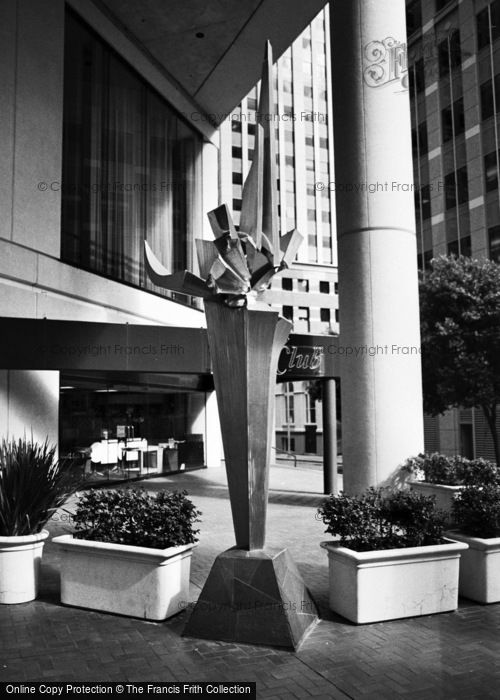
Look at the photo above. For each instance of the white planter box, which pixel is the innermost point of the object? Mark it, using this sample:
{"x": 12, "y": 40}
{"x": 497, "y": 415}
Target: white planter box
{"x": 444, "y": 494}
{"x": 479, "y": 568}
{"x": 393, "y": 583}
{"x": 152, "y": 584}
{"x": 20, "y": 559}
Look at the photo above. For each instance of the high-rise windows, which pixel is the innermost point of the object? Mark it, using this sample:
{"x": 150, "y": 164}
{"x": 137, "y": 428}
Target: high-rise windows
{"x": 416, "y": 75}
{"x": 325, "y": 318}
{"x": 456, "y": 188}
{"x": 453, "y": 120}
{"x": 440, "y": 4}
{"x": 460, "y": 247}
{"x": 423, "y": 203}
{"x": 413, "y": 16}
{"x": 130, "y": 166}
{"x": 488, "y": 24}
{"x": 449, "y": 53}
{"x": 491, "y": 171}
{"x": 490, "y": 97}
{"x": 301, "y": 322}
{"x": 419, "y": 140}
{"x": 494, "y": 243}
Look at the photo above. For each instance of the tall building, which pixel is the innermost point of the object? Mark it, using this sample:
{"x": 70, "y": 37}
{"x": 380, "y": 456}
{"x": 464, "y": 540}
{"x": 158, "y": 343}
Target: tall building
{"x": 307, "y": 294}
{"x": 109, "y": 138}
{"x": 454, "y": 72}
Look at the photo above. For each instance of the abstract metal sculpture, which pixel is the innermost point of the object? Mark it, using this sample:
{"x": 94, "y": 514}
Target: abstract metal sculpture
{"x": 254, "y": 586}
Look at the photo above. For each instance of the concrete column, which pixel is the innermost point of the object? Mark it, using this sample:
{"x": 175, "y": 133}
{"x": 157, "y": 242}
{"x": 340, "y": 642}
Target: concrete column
{"x": 330, "y": 473}
{"x": 29, "y": 404}
{"x": 213, "y": 452}
{"x": 378, "y": 290}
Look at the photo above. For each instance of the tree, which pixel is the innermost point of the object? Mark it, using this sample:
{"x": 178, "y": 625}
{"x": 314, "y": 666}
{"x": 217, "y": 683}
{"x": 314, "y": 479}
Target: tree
{"x": 460, "y": 328}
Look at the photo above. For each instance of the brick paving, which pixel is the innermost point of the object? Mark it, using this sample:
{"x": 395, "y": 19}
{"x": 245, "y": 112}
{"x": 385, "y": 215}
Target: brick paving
{"x": 448, "y": 656}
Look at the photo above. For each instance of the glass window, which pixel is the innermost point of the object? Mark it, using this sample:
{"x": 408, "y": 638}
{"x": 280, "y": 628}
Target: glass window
{"x": 416, "y": 76}
{"x": 287, "y": 312}
{"x": 423, "y": 202}
{"x": 452, "y": 120}
{"x": 456, "y": 188}
{"x": 491, "y": 171}
{"x": 449, "y": 53}
{"x": 289, "y": 404}
{"x": 301, "y": 323}
{"x": 487, "y": 101}
{"x": 494, "y": 243}
{"x": 462, "y": 247}
{"x": 302, "y": 285}
{"x": 324, "y": 287}
{"x": 287, "y": 284}
{"x": 485, "y": 26}
{"x": 311, "y": 408}
{"x": 413, "y": 16}
{"x": 440, "y": 4}
{"x": 129, "y": 166}
{"x": 117, "y": 430}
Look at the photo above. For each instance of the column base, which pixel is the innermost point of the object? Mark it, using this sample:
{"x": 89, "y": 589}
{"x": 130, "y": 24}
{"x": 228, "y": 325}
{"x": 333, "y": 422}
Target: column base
{"x": 253, "y": 597}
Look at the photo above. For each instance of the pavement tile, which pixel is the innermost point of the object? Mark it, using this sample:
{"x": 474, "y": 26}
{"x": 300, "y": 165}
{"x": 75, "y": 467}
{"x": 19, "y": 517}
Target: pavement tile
{"x": 440, "y": 657}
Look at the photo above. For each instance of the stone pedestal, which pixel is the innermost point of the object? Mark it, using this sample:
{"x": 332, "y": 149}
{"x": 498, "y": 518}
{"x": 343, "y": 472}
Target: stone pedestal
{"x": 254, "y": 597}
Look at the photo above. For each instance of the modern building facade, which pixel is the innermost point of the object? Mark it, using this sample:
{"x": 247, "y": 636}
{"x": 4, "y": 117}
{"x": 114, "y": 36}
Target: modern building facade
{"x": 307, "y": 295}
{"x": 150, "y": 84}
{"x": 109, "y": 139}
{"x": 454, "y": 64}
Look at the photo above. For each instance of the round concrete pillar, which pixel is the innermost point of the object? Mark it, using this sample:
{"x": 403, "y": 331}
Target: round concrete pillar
{"x": 382, "y": 419}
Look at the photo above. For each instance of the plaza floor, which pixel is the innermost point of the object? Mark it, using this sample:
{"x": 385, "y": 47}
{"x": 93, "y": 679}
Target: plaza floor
{"x": 452, "y": 655}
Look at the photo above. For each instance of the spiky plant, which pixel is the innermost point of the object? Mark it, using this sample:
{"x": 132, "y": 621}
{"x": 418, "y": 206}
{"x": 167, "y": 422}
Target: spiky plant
{"x": 33, "y": 485}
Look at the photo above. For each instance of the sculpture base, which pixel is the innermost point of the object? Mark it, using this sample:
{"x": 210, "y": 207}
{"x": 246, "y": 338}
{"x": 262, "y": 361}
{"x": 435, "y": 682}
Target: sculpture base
{"x": 254, "y": 597}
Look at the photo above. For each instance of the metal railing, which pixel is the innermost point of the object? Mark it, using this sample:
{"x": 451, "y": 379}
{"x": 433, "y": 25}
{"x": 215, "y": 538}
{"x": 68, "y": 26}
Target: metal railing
{"x": 288, "y": 454}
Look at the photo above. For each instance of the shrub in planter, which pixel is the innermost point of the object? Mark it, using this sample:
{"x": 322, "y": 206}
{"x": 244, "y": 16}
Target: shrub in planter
{"x": 137, "y": 518}
{"x": 436, "y": 468}
{"x": 33, "y": 485}
{"x": 130, "y": 553}
{"x": 380, "y": 520}
{"x": 441, "y": 476}
{"x": 476, "y": 513}
{"x": 390, "y": 559}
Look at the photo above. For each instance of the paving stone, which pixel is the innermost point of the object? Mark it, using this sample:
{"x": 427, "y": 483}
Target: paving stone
{"x": 440, "y": 657}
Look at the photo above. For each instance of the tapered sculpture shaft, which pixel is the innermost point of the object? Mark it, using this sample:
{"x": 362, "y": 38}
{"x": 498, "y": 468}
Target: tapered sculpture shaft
{"x": 245, "y": 345}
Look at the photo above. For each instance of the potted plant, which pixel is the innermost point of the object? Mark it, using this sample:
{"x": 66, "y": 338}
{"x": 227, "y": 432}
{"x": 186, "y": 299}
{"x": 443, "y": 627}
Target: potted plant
{"x": 390, "y": 559}
{"x": 442, "y": 476}
{"x": 476, "y": 514}
{"x": 33, "y": 485}
{"x": 130, "y": 553}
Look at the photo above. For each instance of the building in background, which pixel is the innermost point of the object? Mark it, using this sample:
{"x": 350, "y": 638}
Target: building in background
{"x": 109, "y": 137}
{"x": 454, "y": 71}
{"x": 306, "y": 295}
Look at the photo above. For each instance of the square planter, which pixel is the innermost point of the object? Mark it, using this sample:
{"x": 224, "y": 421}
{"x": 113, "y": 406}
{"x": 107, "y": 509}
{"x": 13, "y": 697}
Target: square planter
{"x": 479, "y": 568}
{"x": 393, "y": 583}
{"x": 20, "y": 559}
{"x": 444, "y": 494}
{"x": 151, "y": 584}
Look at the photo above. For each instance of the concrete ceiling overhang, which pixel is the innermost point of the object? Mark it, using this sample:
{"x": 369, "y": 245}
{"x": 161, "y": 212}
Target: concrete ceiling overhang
{"x": 212, "y": 49}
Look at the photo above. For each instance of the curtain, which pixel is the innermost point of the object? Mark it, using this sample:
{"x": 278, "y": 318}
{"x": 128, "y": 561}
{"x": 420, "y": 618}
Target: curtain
{"x": 130, "y": 167}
